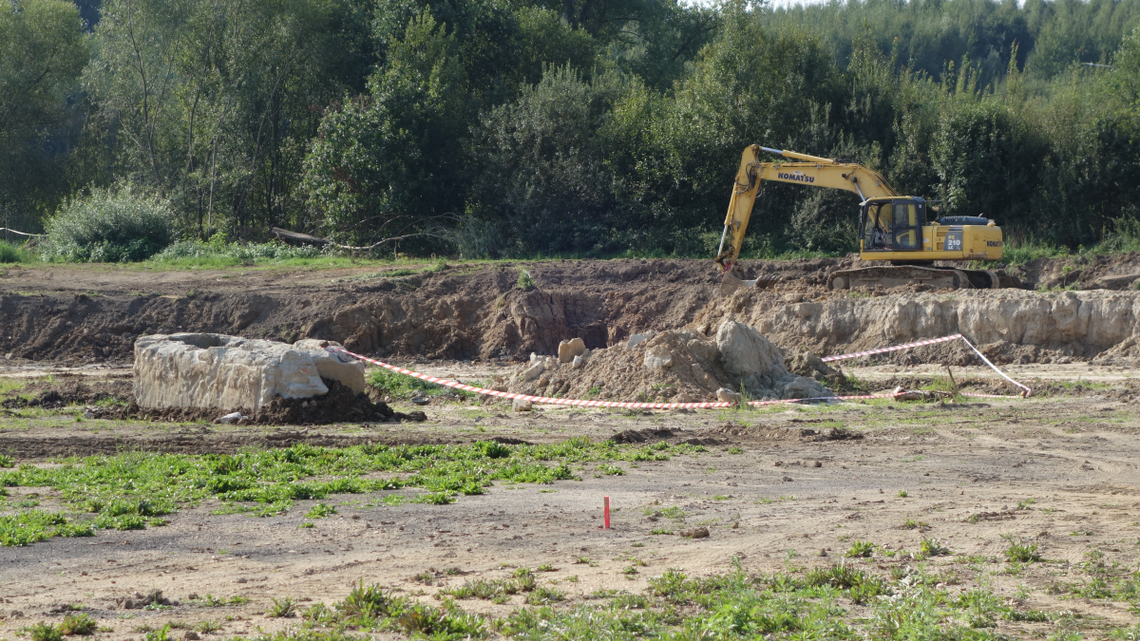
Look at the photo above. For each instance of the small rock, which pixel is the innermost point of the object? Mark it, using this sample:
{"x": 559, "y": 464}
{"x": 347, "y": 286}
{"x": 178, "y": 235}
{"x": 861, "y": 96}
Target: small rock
{"x": 659, "y": 356}
{"x": 88, "y": 414}
{"x": 522, "y": 405}
{"x": 534, "y": 371}
{"x": 793, "y": 298}
{"x": 567, "y": 350}
{"x": 726, "y": 395}
{"x": 191, "y": 636}
{"x": 578, "y": 362}
{"x": 232, "y": 417}
{"x": 638, "y": 339}
{"x": 696, "y": 533}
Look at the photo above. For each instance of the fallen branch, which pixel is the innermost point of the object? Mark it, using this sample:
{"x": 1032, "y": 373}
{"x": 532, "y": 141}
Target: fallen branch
{"x": 22, "y": 233}
{"x": 306, "y": 239}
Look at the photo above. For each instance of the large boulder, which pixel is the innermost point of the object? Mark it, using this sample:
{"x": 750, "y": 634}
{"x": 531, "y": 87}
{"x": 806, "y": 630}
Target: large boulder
{"x": 228, "y": 372}
{"x": 752, "y": 361}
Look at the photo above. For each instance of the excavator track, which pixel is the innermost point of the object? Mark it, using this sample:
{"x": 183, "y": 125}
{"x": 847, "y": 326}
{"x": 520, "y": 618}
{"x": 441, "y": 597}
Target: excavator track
{"x": 899, "y": 275}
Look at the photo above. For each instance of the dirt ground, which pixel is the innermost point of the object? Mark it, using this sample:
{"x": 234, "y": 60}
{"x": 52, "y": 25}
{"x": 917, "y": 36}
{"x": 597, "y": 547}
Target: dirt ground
{"x": 779, "y": 488}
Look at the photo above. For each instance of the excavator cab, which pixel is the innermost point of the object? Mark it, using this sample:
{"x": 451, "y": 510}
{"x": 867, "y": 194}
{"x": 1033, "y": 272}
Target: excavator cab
{"x": 892, "y": 224}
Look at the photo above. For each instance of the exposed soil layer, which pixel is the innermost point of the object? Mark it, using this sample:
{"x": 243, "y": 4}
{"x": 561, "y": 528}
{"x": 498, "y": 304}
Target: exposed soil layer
{"x": 92, "y": 315}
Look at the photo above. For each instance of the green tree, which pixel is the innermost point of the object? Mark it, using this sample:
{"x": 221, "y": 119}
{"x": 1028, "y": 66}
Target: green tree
{"x": 211, "y": 102}
{"x": 42, "y": 52}
{"x": 545, "y": 164}
{"x": 386, "y": 166}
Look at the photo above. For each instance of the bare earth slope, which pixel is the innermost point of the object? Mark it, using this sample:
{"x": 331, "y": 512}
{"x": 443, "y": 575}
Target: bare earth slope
{"x": 76, "y": 315}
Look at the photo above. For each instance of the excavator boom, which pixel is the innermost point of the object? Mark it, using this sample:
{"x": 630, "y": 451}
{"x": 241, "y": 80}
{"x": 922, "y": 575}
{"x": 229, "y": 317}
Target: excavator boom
{"x": 808, "y": 170}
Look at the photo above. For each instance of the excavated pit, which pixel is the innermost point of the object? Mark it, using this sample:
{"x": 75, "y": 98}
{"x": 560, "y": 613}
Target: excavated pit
{"x": 72, "y": 316}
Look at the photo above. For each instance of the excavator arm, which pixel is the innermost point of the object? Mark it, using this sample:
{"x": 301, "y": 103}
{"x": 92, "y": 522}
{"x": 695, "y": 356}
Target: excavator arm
{"x": 806, "y": 170}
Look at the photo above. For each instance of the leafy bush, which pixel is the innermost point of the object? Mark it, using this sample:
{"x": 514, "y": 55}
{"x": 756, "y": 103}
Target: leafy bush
{"x": 109, "y": 226}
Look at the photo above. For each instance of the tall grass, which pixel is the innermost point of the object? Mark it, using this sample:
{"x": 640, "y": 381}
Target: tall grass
{"x": 13, "y": 253}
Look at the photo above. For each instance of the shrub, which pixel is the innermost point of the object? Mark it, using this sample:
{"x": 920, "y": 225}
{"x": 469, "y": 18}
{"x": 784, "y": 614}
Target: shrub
{"x": 109, "y": 226}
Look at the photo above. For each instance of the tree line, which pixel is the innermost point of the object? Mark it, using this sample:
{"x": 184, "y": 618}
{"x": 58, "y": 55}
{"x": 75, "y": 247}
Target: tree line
{"x": 589, "y": 127}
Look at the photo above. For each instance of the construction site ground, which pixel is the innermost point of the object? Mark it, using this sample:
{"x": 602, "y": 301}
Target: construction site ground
{"x": 778, "y": 489}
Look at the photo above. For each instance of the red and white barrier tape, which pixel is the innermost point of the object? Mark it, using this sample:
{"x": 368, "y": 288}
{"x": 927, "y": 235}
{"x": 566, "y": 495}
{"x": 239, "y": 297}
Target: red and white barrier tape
{"x": 884, "y": 350}
{"x": 547, "y": 400}
{"x": 932, "y": 341}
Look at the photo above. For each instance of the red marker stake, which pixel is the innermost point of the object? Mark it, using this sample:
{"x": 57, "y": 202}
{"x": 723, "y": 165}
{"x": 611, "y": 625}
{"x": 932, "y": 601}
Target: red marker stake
{"x": 607, "y": 513}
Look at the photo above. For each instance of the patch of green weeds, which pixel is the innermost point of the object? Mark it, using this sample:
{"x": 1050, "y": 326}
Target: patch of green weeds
{"x": 911, "y": 524}
{"x": 932, "y": 547}
{"x": 403, "y": 387}
{"x": 320, "y": 511}
{"x": 860, "y": 549}
{"x": 281, "y": 608}
{"x": 1021, "y": 551}
{"x": 211, "y": 601}
{"x": 35, "y": 526}
{"x": 134, "y": 490}
{"x": 673, "y": 512}
{"x": 43, "y": 632}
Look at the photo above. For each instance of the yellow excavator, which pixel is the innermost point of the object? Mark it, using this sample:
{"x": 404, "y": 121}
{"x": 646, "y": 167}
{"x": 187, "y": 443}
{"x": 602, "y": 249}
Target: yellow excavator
{"x": 892, "y": 227}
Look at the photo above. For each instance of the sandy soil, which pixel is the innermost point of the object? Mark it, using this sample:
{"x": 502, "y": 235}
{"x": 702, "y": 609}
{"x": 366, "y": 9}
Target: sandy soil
{"x": 773, "y": 490}
{"x": 782, "y": 498}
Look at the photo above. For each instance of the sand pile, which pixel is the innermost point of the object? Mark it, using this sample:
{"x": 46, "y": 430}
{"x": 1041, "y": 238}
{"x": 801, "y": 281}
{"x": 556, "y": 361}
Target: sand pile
{"x": 677, "y": 366}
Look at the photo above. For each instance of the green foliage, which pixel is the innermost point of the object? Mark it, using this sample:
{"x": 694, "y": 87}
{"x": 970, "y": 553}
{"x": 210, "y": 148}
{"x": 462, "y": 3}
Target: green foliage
{"x": 42, "y": 52}
{"x": 1021, "y": 551}
{"x": 402, "y": 386}
{"x": 44, "y": 632}
{"x": 109, "y": 225}
{"x": 282, "y": 608}
{"x": 106, "y": 492}
{"x": 35, "y": 526}
{"x": 860, "y": 549}
{"x": 580, "y": 127}
{"x": 320, "y": 511}
{"x": 78, "y": 624}
{"x": 11, "y": 253}
{"x": 194, "y": 253}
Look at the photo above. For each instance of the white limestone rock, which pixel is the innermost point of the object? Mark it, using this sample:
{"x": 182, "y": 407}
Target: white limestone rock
{"x": 725, "y": 395}
{"x": 226, "y": 372}
{"x": 567, "y": 350}
{"x": 658, "y": 356}
{"x": 334, "y": 366}
{"x": 638, "y": 339}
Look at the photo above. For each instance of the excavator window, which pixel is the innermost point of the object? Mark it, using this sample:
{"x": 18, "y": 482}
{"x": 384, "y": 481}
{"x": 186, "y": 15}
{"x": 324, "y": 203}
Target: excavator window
{"x": 877, "y": 225}
{"x": 907, "y": 227}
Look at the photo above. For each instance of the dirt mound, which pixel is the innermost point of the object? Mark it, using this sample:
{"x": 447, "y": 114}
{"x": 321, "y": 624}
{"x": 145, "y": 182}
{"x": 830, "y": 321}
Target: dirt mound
{"x": 1114, "y": 272}
{"x": 339, "y": 405}
{"x": 113, "y": 399}
{"x": 50, "y": 393}
{"x": 677, "y": 366}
